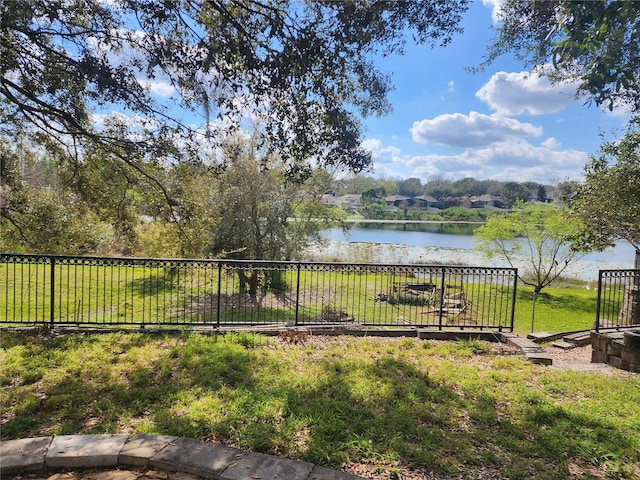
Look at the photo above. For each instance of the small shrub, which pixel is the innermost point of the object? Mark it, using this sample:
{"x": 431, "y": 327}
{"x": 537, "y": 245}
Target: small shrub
{"x": 475, "y": 345}
{"x": 410, "y": 299}
{"x": 246, "y": 339}
{"x": 276, "y": 280}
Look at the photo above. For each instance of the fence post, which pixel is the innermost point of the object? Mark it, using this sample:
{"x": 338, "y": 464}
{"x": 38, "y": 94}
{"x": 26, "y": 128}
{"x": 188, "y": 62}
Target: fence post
{"x": 52, "y": 290}
{"x": 635, "y": 300}
{"x": 515, "y": 297}
{"x": 219, "y": 293}
{"x": 298, "y": 293}
{"x": 442, "y": 280}
{"x": 598, "y": 301}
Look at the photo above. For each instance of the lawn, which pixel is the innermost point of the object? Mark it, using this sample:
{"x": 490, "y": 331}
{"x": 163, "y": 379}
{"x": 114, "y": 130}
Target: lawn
{"x": 387, "y": 408}
{"x": 564, "y": 308}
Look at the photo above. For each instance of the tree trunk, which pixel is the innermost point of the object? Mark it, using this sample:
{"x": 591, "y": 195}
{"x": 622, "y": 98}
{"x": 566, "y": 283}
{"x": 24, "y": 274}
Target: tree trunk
{"x": 533, "y": 309}
{"x": 251, "y": 281}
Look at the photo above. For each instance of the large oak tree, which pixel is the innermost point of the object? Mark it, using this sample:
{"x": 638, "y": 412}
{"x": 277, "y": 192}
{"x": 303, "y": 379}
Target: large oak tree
{"x": 306, "y": 68}
{"x": 81, "y": 76}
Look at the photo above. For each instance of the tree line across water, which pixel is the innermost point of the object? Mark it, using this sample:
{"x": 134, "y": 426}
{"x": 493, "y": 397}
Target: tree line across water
{"x": 441, "y": 188}
{"x": 241, "y": 211}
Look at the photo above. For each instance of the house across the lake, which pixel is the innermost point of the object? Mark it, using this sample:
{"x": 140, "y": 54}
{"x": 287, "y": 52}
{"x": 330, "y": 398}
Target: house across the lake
{"x": 352, "y": 202}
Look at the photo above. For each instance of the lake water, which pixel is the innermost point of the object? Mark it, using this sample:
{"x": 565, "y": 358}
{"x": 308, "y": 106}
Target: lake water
{"x": 418, "y": 235}
{"x": 453, "y": 236}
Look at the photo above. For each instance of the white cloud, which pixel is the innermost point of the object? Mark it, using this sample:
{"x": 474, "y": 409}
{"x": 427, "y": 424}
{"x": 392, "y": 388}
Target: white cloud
{"x": 473, "y": 130}
{"x": 551, "y": 143}
{"x": 380, "y": 153}
{"x": 525, "y": 93}
{"x": 518, "y": 161}
{"x": 452, "y": 86}
{"x": 162, "y": 89}
{"x": 388, "y": 171}
{"x": 495, "y": 6}
{"x": 515, "y": 160}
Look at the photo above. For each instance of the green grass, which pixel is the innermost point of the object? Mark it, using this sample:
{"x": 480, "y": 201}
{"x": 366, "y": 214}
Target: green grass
{"x": 559, "y": 309}
{"x": 394, "y": 405}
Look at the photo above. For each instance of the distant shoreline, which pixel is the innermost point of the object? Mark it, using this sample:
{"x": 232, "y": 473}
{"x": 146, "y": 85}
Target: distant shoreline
{"x": 368, "y": 252}
{"x": 400, "y": 222}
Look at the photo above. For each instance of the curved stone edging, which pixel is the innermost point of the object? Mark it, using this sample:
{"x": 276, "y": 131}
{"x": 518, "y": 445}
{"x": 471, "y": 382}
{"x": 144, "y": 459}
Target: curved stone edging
{"x": 205, "y": 459}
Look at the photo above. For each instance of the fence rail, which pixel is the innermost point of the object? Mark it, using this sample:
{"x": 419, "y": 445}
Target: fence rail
{"x": 618, "y": 303}
{"x": 97, "y": 291}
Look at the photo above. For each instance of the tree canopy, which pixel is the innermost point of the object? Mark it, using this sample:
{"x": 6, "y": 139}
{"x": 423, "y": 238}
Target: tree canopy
{"x": 594, "y": 43}
{"x": 514, "y": 192}
{"x": 254, "y": 205}
{"x": 607, "y": 203}
{"x": 119, "y": 93}
{"x": 248, "y": 211}
{"x": 305, "y": 69}
{"x": 411, "y": 187}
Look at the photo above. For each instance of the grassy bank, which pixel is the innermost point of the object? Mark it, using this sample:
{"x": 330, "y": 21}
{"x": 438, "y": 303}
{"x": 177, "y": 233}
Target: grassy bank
{"x": 389, "y": 408}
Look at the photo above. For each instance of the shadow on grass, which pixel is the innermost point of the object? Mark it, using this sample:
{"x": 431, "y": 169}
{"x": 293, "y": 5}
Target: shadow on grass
{"x": 162, "y": 282}
{"x": 560, "y": 301}
{"x": 318, "y": 405}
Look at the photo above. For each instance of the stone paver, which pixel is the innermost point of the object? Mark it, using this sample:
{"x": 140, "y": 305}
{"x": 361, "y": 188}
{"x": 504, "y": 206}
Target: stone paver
{"x": 140, "y": 448}
{"x": 175, "y": 458}
{"x": 208, "y": 460}
{"x": 541, "y": 358}
{"x": 526, "y": 345}
{"x": 25, "y": 455}
{"x": 72, "y": 451}
{"x": 539, "y": 336}
{"x": 266, "y": 467}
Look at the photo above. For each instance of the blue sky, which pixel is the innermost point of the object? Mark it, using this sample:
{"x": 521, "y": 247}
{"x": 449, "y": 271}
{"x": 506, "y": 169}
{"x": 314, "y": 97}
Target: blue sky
{"x": 503, "y": 123}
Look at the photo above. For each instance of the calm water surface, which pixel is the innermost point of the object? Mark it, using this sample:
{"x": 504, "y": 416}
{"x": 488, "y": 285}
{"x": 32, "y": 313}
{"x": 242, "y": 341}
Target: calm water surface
{"x": 447, "y": 235}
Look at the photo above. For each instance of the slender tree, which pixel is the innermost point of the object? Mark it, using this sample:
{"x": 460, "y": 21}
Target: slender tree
{"x": 537, "y": 237}
{"x": 256, "y": 206}
{"x": 514, "y": 192}
{"x": 542, "y": 193}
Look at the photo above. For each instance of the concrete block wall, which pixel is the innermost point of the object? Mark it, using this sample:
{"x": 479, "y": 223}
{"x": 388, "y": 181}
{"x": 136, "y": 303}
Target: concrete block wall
{"x": 611, "y": 348}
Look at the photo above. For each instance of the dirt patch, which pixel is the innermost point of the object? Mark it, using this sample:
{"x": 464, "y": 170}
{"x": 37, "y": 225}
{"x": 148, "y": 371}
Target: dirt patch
{"x": 579, "y": 359}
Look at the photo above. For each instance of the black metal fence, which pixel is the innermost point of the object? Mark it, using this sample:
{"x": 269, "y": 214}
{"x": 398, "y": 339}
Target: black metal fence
{"x": 97, "y": 291}
{"x": 618, "y": 299}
